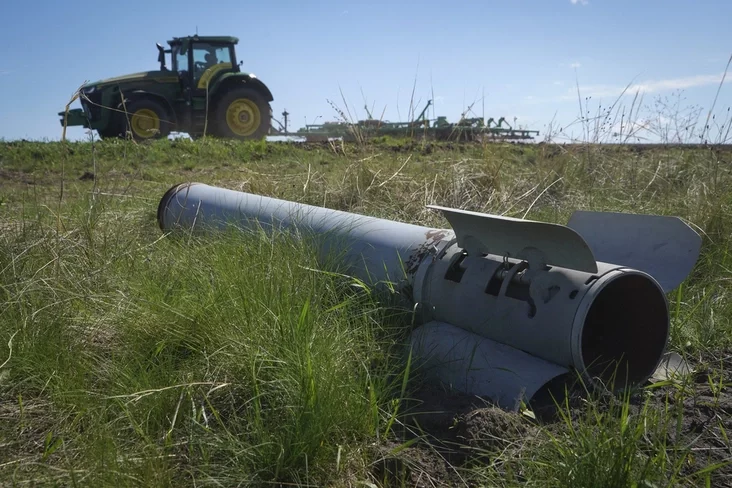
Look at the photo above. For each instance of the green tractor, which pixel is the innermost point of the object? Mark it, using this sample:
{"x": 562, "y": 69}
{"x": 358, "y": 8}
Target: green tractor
{"x": 204, "y": 92}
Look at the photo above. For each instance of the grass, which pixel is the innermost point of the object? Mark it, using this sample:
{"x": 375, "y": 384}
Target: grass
{"x": 130, "y": 358}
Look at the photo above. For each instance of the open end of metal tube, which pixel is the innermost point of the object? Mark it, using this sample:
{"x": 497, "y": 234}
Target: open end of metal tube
{"x": 625, "y": 330}
{"x": 163, "y": 205}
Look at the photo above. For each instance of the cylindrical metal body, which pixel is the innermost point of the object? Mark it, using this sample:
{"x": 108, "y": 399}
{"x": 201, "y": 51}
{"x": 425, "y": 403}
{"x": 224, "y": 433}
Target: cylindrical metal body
{"x": 611, "y": 325}
{"x": 376, "y": 249}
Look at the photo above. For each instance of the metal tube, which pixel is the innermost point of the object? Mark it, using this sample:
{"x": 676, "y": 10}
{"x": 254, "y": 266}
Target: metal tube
{"x": 376, "y": 249}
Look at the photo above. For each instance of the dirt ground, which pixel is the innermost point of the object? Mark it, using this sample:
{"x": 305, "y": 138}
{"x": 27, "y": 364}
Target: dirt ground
{"x": 451, "y": 431}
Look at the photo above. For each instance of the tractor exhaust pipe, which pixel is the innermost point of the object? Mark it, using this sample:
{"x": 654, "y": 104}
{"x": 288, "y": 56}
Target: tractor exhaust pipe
{"x": 503, "y": 305}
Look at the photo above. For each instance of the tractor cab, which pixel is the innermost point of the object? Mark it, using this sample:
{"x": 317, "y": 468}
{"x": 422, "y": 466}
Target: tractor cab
{"x": 200, "y": 60}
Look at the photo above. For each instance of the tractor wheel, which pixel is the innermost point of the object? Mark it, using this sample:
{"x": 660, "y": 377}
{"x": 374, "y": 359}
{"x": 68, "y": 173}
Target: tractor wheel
{"x": 242, "y": 114}
{"x": 147, "y": 119}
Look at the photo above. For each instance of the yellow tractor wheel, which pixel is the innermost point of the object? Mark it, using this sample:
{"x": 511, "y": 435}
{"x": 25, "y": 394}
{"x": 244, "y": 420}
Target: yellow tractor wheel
{"x": 242, "y": 114}
{"x": 147, "y": 119}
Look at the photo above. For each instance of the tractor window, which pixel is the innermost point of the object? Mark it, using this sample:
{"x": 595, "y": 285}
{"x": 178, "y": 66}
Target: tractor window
{"x": 208, "y": 55}
{"x": 181, "y": 60}
{"x": 208, "y": 60}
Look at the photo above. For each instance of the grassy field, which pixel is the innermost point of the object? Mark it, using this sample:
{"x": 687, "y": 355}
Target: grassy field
{"x": 128, "y": 358}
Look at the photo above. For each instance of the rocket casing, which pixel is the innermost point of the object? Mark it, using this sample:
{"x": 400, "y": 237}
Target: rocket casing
{"x": 505, "y": 304}
{"x": 375, "y": 249}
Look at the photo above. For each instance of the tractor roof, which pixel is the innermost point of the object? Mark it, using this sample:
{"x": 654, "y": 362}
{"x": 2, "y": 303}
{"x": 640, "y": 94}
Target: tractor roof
{"x": 225, "y": 39}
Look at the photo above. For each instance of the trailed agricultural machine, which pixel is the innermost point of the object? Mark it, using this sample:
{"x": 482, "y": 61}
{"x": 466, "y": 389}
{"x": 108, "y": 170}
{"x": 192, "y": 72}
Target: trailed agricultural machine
{"x": 467, "y": 129}
{"x": 203, "y": 91}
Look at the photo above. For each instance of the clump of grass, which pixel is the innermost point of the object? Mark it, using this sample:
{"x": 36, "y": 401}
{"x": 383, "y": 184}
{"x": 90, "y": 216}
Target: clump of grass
{"x": 620, "y": 444}
{"x": 168, "y": 361}
{"x": 639, "y": 439}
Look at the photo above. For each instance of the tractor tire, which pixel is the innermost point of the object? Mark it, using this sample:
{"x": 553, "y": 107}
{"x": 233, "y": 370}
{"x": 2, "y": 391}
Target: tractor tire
{"x": 147, "y": 119}
{"x": 243, "y": 114}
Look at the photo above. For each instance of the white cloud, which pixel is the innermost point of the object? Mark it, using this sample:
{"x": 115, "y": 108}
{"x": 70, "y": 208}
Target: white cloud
{"x": 614, "y": 91}
{"x": 558, "y": 83}
{"x": 649, "y": 86}
{"x": 575, "y": 65}
{"x": 680, "y": 83}
{"x": 579, "y": 2}
{"x": 4, "y": 72}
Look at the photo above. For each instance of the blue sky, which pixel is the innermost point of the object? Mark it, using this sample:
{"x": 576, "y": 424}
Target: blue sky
{"x": 525, "y": 56}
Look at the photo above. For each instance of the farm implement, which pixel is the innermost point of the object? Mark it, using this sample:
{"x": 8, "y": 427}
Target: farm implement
{"x": 467, "y": 129}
